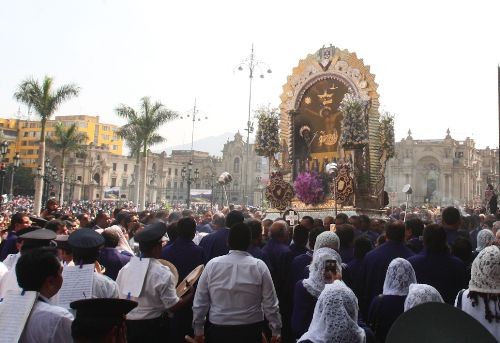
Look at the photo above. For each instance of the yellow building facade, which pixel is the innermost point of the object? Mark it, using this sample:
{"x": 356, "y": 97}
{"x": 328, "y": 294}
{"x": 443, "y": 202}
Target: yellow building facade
{"x": 24, "y": 135}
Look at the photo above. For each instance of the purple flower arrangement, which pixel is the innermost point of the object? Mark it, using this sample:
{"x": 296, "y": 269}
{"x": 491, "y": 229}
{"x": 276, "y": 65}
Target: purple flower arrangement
{"x": 310, "y": 188}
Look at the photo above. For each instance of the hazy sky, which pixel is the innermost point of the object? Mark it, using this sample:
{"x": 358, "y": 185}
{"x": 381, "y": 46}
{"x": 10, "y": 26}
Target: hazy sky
{"x": 435, "y": 61}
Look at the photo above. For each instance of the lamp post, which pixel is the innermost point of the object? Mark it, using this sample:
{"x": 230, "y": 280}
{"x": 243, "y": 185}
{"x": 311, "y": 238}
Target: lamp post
{"x": 186, "y": 175}
{"x": 17, "y": 162}
{"x": 251, "y": 64}
{"x": 3, "y": 151}
{"x": 258, "y": 178}
{"x": 331, "y": 169}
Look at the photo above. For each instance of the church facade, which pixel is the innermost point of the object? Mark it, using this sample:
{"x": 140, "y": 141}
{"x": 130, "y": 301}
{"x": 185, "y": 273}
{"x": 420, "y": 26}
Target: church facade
{"x": 441, "y": 172}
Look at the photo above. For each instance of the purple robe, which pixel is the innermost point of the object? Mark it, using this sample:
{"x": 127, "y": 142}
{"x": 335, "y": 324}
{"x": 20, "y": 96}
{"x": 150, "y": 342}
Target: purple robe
{"x": 303, "y": 309}
{"x": 113, "y": 261}
{"x": 9, "y": 245}
{"x": 215, "y": 244}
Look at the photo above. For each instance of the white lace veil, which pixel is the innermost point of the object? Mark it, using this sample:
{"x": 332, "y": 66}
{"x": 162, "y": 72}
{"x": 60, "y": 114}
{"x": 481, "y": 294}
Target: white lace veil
{"x": 399, "y": 276}
{"x": 420, "y": 293}
{"x": 485, "y": 272}
{"x": 327, "y": 239}
{"x": 315, "y": 283}
{"x": 484, "y": 238}
{"x": 335, "y": 317}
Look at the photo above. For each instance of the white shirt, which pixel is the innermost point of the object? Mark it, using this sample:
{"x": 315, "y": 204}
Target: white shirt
{"x": 237, "y": 289}
{"x": 478, "y": 312}
{"x": 11, "y": 260}
{"x": 104, "y": 287}
{"x": 9, "y": 283}
{"x": 158, "y": 291}
{"x": 3, "y": 270}
{"x": 47, "y": 323}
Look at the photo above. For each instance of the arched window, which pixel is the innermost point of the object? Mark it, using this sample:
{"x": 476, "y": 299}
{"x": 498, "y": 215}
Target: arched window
{"x": 236, "y": 167}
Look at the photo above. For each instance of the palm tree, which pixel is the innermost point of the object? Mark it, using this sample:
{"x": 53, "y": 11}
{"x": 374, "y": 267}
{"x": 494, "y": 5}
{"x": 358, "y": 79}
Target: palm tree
{"x": 66, "y": 140}
{"x": 45, "y": 101}
{"x": 144, "y": 125}
{"x": 134, "y": 144}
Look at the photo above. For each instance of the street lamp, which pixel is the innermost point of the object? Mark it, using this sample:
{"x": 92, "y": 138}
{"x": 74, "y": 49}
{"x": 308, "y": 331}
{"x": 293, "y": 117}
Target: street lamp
{"x": 186, "y": 175}
{"x": 251, "y": 64}
{"x": 17, "y": 162}
{"x": 3, "y": 151}
{"x": 331, "y": 170}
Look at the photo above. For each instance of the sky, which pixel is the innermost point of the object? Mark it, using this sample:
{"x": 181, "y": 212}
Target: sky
{"x": 435, "y": 61}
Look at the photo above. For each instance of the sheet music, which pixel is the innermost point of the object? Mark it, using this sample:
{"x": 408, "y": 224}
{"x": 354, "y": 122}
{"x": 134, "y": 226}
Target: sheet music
{"x": 132, "y": 285}
{"x": 77, "y": 284}
{"x": 15, "y": 309}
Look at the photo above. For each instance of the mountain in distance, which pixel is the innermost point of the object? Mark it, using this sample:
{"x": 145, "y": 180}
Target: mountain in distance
{"x": 213, "y": 144}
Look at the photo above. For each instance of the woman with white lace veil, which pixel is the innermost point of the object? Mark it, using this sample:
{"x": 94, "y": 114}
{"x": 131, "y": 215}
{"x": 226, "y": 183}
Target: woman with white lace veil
{"x": 307, "y": 291}
{"x": 482, "y": 299}
{"x": 335, "y": 317}
{"x": 388, "y": 306}
{"x": 484, "y": 238}
{"x": 420, "y": 293}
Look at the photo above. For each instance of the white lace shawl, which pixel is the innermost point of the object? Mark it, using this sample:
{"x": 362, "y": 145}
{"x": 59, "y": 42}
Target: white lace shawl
{"x": 420, "y": 293}
{"x": 335, "y": 317}
{"x": 399, "y": 276}
{"x": 327, "y": 239}
{"x": 485, "y": 272}
{"x": 315, "y": 283}
{"x": 484, "y": 239}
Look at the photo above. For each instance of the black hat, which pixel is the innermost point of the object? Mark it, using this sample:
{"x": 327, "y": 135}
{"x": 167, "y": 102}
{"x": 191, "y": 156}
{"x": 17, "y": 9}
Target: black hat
{"x": 62, "y": 242}
{"x": 26, "y": 230}
{"x": 437, "y": 322}
{"x": 151, "y": 233}
{"x": 40, "y": 234}
{"x": 102, "y": 307}
{"x": 85, "y": 239}
{"x": 38, "y": 221}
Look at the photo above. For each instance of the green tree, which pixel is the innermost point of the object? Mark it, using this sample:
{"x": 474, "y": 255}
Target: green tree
{"x": 45, "y": 100}
{"x": 267, "y": 142}
{"x": 65, "y": 141}
{"x": 134, "y": 144}
{"x": 144, "y": 124}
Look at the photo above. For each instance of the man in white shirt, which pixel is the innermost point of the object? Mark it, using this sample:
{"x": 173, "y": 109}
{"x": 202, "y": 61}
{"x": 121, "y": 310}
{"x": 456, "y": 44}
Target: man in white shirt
{"x": 40, "y": 270}
{"x": 148, "y": 321}
{"x": 85, "y": 244}
{"x": 236, "y": 290}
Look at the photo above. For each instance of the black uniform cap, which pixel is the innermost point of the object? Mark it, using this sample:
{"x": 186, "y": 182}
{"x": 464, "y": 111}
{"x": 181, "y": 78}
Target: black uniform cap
{"x": 39, "y": 234}
{"x": 151, "y": 233}
{"x": 85, "y": 239}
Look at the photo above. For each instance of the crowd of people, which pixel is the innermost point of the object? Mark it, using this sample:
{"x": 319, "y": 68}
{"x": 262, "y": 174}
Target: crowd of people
{"x": 342, "y": 279}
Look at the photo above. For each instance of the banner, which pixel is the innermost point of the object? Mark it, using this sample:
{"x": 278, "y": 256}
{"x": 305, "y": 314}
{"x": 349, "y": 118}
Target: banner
{"x": 112, "y": 193}
{"x": 201, "y": 193}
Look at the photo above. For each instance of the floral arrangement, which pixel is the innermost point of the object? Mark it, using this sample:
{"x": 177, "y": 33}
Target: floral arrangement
{"x": 310, "y": 188}
{"x": 354, "y": 126}
{"x": 267, "y": 141}
{"x": 387, "y": 134}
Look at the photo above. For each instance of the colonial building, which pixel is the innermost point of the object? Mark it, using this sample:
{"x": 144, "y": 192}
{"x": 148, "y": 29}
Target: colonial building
{"x": 24, "y": 135}
{"x": 100, "y": 174}
{"x": 441, "y": 171}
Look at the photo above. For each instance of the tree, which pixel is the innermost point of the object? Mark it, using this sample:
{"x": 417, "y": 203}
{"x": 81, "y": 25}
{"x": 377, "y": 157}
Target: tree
{"x": 267, "y": 141}
{"x": 65, "y": 141}
{"x": 144, "y": 126}
{"x": 45, "y": 101}
{"x": 134, "y": 144}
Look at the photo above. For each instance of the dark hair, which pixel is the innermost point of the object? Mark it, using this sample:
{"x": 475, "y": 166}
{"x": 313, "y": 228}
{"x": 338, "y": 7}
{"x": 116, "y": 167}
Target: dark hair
{"x": 146, "y": 247}
{"x": 381, "y": 240}
{"x": 111, "y": 239}
{"x": 342, "y": 217}
{"x": 239, "y": 237}
{"x": 435, "y": 238}
{"x": 173, "y": 217}
{"x": 255, "y": 227}
{"x": 300, "y": 235}
{"x": 17, "y": 219}
{"x": 364, "y": 219}
{"x": 54, "y": 224}
{"x": 346, "y": 235}
{"x": 416, "y": 226}
{"x": 187, "y": 213}
{"x": 234, "y": 217}
{"x": 474, "y": 221}
{"x": 450, "y": 215}
{"x": 51, "y": 202}
{"x": 313, "y": 234}
{"x": 318, "y": 222}
{"x": 116, "y": 211}
{"x": 186, "y": 228}
{"x": 362, "y": 245}
{"x": 35, "y": 266}
{"x": 90, "y": 329}
{"x": 310, "y": 220}
{"x": 85, "y": 255}
{"x": 128, "y": 218}
{"x": 172, "y": 231}
{"x": 462, "y": 248}
{"x": 395, "y": 231}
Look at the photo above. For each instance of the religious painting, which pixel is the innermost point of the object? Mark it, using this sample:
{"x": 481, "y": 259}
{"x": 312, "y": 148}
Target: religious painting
{"x": 317, "y": 124}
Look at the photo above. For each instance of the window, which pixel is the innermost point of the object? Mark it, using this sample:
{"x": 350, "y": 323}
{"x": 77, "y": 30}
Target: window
{"x": 236, "y": 166}
{"x": 175, "y": 184}
{"x": 115, "y": 147}
{"x": 25, "y": 134}
{"x": 182, "y": 185}
{"x": 105, "y": 137}
{"x": 169, "y": 184}
{"x": 124, "y": 183}
{"x": 176, "y": 172}
{"x": 125, "y": 167}
{"x": 114, "y": 167}
{"x": 79, "y": 178}
{"x": 169, "y": 171}
{"x": 113, "y": 182}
